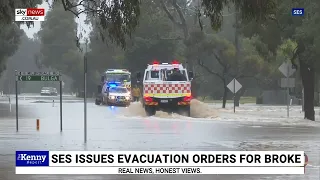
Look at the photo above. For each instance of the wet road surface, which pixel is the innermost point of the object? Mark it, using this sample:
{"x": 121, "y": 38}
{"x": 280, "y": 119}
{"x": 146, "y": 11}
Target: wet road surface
{"x": 251, "y": 128}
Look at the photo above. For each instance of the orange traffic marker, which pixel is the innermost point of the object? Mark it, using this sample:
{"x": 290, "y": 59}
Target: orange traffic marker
{"x": 38, "y": 124}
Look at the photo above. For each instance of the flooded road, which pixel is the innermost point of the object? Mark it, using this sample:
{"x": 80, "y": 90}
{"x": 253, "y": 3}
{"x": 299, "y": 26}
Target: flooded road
{"x": 250, "y": 128}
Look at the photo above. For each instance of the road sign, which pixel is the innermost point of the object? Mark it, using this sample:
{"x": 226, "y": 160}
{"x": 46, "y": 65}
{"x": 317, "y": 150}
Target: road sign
{"x": 234, "y": 86}
{"x": 38, "y": 78}
{"x": 288, "y": 82}
{"x": 37, "y": 73}
{"x": 286, "y": 69}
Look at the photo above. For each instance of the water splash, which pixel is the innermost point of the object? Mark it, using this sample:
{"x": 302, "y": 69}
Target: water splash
{"x": 198, "y": 110}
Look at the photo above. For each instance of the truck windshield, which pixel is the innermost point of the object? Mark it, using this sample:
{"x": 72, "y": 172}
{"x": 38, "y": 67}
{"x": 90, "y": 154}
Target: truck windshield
{"x": 118, "y": 77}
{"x": 118, "y": 90}
{"x": 154, "y": 74}
{"x": 181, "y": 77}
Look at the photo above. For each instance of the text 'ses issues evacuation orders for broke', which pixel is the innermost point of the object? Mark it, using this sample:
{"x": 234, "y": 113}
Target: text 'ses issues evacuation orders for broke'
{"x": 160, "y": 162}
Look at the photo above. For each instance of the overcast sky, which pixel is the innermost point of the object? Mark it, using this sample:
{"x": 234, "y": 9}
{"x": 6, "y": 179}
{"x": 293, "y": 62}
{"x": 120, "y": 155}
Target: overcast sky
{"x": 36, "y": 28}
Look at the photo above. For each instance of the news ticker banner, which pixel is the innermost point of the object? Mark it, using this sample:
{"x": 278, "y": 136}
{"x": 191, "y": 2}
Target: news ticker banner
{"x": 160, "y": 162}
{"x": 30, "y": 14}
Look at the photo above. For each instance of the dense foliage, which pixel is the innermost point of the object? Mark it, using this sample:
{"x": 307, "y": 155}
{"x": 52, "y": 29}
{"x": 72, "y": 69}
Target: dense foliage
{"x": 58, "y": 43}
{"x": 9, "y": 32}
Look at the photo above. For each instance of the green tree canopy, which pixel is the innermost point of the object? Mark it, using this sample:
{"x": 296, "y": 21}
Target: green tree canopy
{"x": 9, "y": 31}
{"x": 58, "y": 42}
{"x": 281, "y": 26}
{"x": 9, "y": 42}
{"x": 152, "y": 40}
{"x": 8, "y": 8}
{"x": 120, "y": 17}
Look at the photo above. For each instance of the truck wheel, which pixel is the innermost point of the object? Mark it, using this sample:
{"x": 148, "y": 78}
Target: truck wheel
{"x": 185, "y": 111}
{"x": 150, "y": 111}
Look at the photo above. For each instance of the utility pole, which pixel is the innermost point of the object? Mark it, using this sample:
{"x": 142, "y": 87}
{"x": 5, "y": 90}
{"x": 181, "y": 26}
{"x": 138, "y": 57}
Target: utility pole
{"x": 85, "y": 92}
{"x": 236, "y": 42}
{"x": 302, "y": 99}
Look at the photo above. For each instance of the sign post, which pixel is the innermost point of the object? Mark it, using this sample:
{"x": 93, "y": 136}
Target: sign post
{"x": 302, "y": 99}
{"x": 85, "y": 65}
{"x": 37, "y": 76}
{"x": 287, "y": 70}
{"x": 17, "y": 111}
{"x": 60, "y": 105}
{"x": 85, "y": 100}
{"x": 234, "y": 87}
{"x": 288, "y": 92}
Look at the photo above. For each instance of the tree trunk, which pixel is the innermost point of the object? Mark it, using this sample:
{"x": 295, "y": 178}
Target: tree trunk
{"x": 307, "y": 77}
{"x": 225, "y": 93}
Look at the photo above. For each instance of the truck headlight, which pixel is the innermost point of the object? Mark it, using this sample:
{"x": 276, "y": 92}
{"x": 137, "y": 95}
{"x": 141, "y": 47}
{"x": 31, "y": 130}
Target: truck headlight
{"x": 127, "y": 97}
{"x": 112, "y": 97}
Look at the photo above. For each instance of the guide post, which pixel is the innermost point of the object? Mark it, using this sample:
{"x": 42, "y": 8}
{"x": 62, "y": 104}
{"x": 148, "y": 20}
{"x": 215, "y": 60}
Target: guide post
{"x": 37, "y": 76}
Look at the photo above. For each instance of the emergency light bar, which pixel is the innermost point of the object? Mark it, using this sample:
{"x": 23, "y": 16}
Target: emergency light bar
{"x": 155, "y": 62}
{"x": 175, "y": 62}
{"x": 113, "y": 84}
{"x": 114, "y": 71}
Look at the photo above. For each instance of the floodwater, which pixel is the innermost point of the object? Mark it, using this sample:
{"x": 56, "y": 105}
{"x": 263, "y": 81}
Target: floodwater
{"x": 252, "y": 127}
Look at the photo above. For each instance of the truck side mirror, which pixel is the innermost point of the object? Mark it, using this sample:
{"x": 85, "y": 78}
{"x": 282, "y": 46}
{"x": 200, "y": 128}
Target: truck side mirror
{"x": 99, "y": 88}
{"x": 138, "y": 76}
{"x": 190, "y": 74}
{"x": 102, "y": 78}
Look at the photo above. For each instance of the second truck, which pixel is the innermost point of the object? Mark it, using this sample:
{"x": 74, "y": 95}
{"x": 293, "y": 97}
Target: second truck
{"x": 113, "y": 78}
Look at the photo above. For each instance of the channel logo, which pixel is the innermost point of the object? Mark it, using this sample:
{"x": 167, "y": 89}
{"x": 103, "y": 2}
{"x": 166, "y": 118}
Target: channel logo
{"x": 297, "y": 11}
{"x": 32, "y": 158}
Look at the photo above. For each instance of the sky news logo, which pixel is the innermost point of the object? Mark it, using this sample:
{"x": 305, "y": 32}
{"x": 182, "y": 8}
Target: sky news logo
{"x": 30, "y": 14}
{"x": 32, "y": 158}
